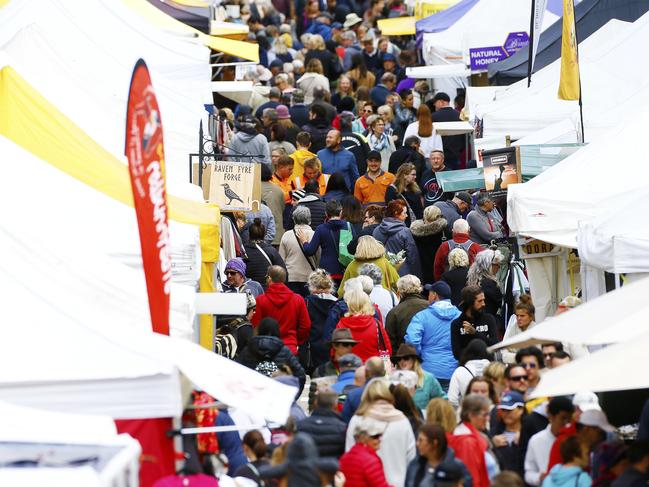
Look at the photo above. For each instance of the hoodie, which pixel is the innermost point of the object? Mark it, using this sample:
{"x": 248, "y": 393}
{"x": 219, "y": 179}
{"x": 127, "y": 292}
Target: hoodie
{"x": 562, "y": 476}
{"x": 365, "y": 329}
{"x": 394, "y": 234}
{"x": 271, "y": 349}
{"x": 318, "y": 306}
{"x": 289, "y": 310}
{"x": 398, "y": 443}
{"x": 430, "y": 333}
{"x": 428, "y": 237}
{"x": 245, "y": 142}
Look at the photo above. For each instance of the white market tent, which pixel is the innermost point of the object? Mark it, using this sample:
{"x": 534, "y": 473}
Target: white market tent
{"x": 80, "y": 56}
{"x": 53, "y": 439}
{"x": 551, "y": 206}
{"x": 615, "y": 240}
{"x": 600, "y": 372}
{"x": 614, "y": 317}
{"x": 486, "y": 23}
{"x": 610, "y": 77}
{"x": 71, "y": 341}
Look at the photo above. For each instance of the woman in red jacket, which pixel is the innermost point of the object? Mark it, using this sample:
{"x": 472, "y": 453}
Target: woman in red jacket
{"x": 366, "y": 329}
{"x": 361, "y": 465}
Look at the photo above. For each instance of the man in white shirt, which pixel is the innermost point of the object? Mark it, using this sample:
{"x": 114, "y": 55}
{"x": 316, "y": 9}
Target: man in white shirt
{"x": 560, "y": 411}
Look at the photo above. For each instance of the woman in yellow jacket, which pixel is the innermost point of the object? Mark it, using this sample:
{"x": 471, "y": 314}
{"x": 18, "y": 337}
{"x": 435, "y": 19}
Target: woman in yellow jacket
{"x": 370, "y": 251}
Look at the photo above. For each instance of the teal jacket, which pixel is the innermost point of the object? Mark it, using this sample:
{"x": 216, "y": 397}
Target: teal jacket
{"x": 430, "y": 390}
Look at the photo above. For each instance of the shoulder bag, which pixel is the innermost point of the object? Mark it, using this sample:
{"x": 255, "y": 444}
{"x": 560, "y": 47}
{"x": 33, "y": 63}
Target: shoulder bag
{"x": 308, "y": 259}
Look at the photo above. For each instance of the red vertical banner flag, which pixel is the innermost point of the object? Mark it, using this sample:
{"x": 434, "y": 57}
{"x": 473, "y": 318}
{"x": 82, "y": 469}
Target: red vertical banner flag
{"x": 145, "y": 153}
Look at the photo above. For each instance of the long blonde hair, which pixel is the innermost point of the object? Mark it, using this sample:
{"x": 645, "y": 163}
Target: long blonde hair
{"x": 400, "y": 178}
{"x": 376, "y": 390}
{"x": 358, "y": 303}
{"x": 441, "y": 412}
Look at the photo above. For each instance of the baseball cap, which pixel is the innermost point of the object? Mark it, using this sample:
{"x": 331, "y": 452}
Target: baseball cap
{"x": 586, "y": 401}
{"x": 373, "y": 154}
{"x": 441, "y": 96}
{"x": 349, "y": 361}
{"x": 464, "y": 196}
{"x": 447, "y": 473}
{"x": 597, "y": 419}
{"x": 441, "y": 288}
{"x": 511, "y": 400}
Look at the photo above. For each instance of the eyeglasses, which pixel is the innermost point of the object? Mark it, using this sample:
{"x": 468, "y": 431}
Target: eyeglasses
{"x": 368, "y": 110}
{"x": 518, "y": 378}
{"x": 529, "y": 365}
{"x": 230, "y": 273}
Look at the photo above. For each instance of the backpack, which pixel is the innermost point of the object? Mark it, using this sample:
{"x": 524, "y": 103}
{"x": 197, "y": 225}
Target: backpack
{"x": 344, "y": 237}
{"x": 225, "y": 341}
{"x": 452, "y": 245}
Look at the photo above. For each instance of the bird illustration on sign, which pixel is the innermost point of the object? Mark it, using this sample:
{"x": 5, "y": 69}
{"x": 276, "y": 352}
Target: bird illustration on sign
{"x": 231, "y": 195}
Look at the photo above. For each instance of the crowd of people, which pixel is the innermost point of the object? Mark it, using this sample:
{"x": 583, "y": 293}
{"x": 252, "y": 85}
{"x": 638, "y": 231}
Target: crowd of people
{"x": 375, "y": 292}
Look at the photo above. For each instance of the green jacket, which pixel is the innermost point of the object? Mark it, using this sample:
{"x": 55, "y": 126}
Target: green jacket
{"x": 390, "y": 275}
{"x": 398, "y": 319}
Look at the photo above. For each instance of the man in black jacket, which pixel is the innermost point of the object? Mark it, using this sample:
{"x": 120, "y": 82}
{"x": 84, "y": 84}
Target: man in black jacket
{"x": 473, "y": 322}
{"x": 325, "y": 425}
{"x": 353, "y": 142}
{"x": 313, "y": 202}
{"x": 408, "y": 153}
{"x": 318, "y": 127}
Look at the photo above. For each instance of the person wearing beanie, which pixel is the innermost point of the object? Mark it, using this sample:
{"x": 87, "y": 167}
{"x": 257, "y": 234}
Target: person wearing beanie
{"x": 298, "y": 110}
{"x": 236, "y": 280}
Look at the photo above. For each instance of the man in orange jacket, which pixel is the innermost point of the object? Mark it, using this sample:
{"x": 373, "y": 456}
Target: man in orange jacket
{"x": 371, "y": 187}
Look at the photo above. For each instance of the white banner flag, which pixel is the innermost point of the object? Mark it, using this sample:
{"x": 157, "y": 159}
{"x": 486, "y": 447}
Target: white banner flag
{"x": 538, "y": 11}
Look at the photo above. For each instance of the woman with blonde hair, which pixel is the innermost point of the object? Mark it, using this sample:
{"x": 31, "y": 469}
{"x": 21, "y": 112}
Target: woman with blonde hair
{"x": 344, "y": 88}
{"x": 370, "y": 251}
{"x": 495, "y": 373}
{"x": 456, "y": 275}
{"x": 428, "y": 386}
{"x": 387, "y": 115}
{"x": 398, "y": 446}
{"x": 312, "y": 79}
{"x": 365, "y": 328}
{"x": 405, "y": 188}
{"x": 423, "y": 128}
{"x": 317, "y": 49}
{"x": 439, "y": 411}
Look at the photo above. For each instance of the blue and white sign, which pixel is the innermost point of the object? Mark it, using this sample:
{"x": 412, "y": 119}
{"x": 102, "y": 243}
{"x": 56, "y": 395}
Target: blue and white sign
{"x": 481, "y": 57}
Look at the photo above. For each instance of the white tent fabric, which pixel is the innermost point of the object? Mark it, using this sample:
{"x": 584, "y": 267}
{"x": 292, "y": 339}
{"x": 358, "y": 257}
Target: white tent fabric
{"x": 65, "y": 206}
{"x": 600, "y": 371}
{"x": 616, "y": 241}
{"x": 551, "y": 206}
{"x": 28, "y": 433}
{"x": 486, "y": 24}
{"x": 611, "y": 318}
{"x": 75, "y": 341}
{"x": 610, "y": 77}
{"x": 80, "y": 56}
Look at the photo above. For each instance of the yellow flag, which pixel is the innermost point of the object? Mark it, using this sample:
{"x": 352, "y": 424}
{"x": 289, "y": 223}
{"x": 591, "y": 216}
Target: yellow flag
{"x": 569, "y": 83}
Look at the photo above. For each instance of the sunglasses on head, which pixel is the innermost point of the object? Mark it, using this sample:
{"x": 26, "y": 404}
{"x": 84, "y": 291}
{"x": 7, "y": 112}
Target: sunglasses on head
{"x": 518, "y": 378}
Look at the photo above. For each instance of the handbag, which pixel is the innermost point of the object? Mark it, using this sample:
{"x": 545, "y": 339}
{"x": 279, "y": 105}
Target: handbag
{"x": 308, "y": 259}
{"x": 384, "y": 353}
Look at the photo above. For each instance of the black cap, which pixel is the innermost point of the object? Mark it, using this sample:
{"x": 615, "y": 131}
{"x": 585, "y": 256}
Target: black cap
{"x": 441, "y": 288}
{"x": 374, "y": 154}
{"x": 447, "y": 473}
{"x": 464, "y": 196}
{"x": 441, "y": 96}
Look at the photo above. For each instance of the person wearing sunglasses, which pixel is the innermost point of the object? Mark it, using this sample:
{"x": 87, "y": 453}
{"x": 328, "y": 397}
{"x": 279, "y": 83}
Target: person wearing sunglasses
{"x": 531, "y": 359}
{"x": 361, "y": 465}
{"x": 236, "y": 280}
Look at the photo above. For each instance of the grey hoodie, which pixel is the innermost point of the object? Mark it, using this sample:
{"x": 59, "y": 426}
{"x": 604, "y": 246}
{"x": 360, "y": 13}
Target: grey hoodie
{"x": 252, "y": 144}
{"x": 396, "y": 236}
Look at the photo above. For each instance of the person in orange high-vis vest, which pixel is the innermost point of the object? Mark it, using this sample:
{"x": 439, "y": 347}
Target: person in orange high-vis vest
{"x": 312, "y": 170}
{"x": 371, "y": 187}
{"x": 283, "y": 177}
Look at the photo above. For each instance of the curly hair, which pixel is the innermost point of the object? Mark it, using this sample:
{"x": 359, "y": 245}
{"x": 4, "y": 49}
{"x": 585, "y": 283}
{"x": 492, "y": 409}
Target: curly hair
{"x": 481, "y": 267}
{"x": 320, "y": 281}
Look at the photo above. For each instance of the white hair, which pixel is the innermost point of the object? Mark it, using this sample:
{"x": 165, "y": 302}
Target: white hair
{"x": 352, "y": 284}
{"x": 367, "y": 284}
{"x": 460, "y": 226}
{"x": 409, "y": 284}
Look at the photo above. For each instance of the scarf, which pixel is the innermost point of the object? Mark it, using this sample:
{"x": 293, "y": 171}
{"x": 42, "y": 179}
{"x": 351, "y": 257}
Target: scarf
{"x": 378, "y": 143}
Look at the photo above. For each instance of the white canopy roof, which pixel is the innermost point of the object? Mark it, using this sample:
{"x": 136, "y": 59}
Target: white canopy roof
{"x": 611, "y": 318}
{"x": 616, "y": 240}
{"x": 80, "y": 56}
{"x": 551, "y": 206}
{"x": 610, "y": 76}
{"x": 611, "y": 369}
